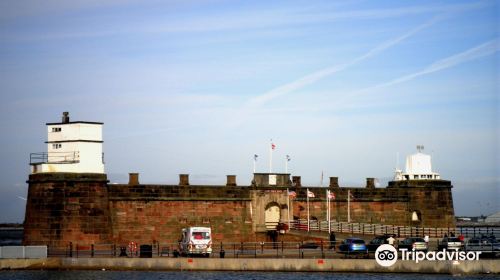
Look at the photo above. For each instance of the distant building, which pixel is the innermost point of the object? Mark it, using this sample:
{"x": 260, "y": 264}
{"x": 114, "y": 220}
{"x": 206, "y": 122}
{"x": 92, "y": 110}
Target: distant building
{"x": 493, "y": 218}
{"x": 418, "y": 167}
{"x": 74, "y": 147}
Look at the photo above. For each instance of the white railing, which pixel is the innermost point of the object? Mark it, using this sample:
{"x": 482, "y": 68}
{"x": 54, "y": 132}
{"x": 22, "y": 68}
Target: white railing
{"x": 371, "y": 229}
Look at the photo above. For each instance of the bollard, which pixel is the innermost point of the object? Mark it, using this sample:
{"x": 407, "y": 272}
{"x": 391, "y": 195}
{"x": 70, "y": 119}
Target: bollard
{"x": 71, "y": 249}
{"x": 222, "y": 253}
{"x": 92, "y": 250}
{"x": 322, "y": 252}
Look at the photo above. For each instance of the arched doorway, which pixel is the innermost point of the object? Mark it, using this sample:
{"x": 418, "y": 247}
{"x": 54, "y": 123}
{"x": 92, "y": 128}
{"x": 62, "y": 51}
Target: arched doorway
{"x": 272, "y": 215}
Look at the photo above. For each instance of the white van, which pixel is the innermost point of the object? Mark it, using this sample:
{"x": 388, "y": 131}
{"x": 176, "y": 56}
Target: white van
{"x": 196, "y": 241}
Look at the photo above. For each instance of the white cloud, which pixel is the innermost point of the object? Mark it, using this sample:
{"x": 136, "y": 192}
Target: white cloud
{"x": 482, "y": 50}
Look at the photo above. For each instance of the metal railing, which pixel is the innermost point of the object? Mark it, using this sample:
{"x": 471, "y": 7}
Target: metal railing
{"x": 280, "y": 249}
{"x": 401, "y": 231}
{"x": 55, "y": 157}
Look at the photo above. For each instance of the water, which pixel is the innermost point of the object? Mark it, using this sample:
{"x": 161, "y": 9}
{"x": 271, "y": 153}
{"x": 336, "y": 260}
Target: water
{"x": 184, "y": 275}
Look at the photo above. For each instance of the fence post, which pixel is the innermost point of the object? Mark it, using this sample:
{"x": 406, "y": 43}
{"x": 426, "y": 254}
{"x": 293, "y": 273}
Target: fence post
{"x": 301, "y": 254}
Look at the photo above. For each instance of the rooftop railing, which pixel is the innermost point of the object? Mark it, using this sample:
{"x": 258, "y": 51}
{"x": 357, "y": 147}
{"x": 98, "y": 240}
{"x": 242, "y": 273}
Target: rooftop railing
{"x": 55, "y": 157}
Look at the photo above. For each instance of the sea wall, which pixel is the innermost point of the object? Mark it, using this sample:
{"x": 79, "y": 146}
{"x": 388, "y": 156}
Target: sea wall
{"x": 293, "y": 265}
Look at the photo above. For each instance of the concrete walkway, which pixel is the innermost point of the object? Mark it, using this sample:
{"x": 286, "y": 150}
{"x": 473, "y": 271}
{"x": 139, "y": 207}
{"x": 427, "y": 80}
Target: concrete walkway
{"x": 191, "y": 264}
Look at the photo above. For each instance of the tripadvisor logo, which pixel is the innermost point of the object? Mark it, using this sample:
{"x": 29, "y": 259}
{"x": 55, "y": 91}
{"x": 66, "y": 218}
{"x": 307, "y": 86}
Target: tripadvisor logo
{"x": 386, "y": 255}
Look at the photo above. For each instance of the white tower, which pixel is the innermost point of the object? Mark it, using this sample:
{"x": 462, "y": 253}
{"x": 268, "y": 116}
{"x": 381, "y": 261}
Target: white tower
{"x": 418, "y": 167}
{"x": 74, "y": 147}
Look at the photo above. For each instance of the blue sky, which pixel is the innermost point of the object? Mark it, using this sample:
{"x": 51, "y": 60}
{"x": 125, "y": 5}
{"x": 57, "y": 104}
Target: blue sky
{"x": 199, "y": 87}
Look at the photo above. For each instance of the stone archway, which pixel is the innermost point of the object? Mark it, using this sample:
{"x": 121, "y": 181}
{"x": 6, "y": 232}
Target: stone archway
{"x": 272, "y": 215}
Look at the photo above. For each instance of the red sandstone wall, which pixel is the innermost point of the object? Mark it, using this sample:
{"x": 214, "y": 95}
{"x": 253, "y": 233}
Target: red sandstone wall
{"x": 59, "y": 211}
{"x": 162, "y": 221}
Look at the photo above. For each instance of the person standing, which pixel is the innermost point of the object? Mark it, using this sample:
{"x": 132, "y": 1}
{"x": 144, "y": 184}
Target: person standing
{"x": 332, "y": 240}
{"x": 391, "y": 240}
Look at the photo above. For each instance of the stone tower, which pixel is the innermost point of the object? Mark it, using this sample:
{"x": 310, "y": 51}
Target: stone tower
{"x": 68, "y": 193}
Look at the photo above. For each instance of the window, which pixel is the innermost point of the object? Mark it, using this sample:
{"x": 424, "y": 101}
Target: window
{"x": 56, "y": 129}
{"x": 56, "y": 146}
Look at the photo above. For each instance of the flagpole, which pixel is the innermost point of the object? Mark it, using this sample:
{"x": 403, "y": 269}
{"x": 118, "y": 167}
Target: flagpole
{"x": 288, "y": 196}
{"x": 271, "y": 157}
{"x": 307, "y": 195}
{"x": 348, "y": 206}
{"x": 328, "y": 209}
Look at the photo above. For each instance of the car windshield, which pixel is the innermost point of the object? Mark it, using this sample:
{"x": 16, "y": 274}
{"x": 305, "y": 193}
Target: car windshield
{"x": 418, "y": 240}
{"x": 453, "y": 239}
{"x": 201, "y": 235}
{"x": 358, "y": 242}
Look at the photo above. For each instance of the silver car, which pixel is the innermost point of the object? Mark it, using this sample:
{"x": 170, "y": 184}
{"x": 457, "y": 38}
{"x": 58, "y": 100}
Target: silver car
{"x": 451, "y": 243}
{"x": 416, "y": 243}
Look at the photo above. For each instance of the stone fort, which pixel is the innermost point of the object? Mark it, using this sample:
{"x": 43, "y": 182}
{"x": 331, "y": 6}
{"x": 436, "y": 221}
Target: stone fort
{"x": 71, "y": 200}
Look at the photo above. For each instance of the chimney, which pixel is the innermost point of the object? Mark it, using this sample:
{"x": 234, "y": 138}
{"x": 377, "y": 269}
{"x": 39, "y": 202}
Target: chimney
{"x": 334, "y": 182}
{"x": 296, "y": 181}
{"x": 370, "y": 183}
{"x": 231, "y": 180}
{"x": 65, "y": 117}
{"x": 133, "y": 178}
{"x": 184, "y": 179}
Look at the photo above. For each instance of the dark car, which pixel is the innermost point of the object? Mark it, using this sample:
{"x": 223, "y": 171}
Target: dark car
{"x": 353, "y": 246}
{"x": 377, "y": 241}
{"x": 411, "y": 243}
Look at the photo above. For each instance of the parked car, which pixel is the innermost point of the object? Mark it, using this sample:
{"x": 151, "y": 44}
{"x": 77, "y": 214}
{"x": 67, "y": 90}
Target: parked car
{"x": 353, "y": 246}
{"x": 411, "y": 243}
{"x": 377, "y": 241}
{"x": 451, "y": 243}
{"x": 487, "y": 246}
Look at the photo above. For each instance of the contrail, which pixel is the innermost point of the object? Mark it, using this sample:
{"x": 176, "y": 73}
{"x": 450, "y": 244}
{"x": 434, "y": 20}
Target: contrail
{"x": 479, "y": 51}
{"x": 316, "y": 76}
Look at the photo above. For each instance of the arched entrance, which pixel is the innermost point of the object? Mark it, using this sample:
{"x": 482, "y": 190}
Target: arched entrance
{"x": 272, "y": 215}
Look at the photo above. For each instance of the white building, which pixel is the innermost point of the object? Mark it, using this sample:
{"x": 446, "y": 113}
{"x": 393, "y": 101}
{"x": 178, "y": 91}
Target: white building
{"x": 418, "y": 167}
{"x": 74, "y": 147}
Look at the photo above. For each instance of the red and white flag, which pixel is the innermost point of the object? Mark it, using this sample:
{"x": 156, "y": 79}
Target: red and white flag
{"x": 292, "y": 194}
{"x": 331, "y": 195}
{"x": 310, "y": 194}
{"x": 273, "y": 146}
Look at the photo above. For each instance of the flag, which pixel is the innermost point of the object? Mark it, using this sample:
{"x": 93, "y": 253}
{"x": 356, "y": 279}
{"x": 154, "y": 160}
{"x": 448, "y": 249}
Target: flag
{"x": 255, "y": 157}
{"x": 331, "y": 195}
{"x": 310, "y": 194}
{"x": 273, "y": 146}
{"x": 292, "y": 194}
{"x": 288, "y": 158}
{"x": 351, "y": 196}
